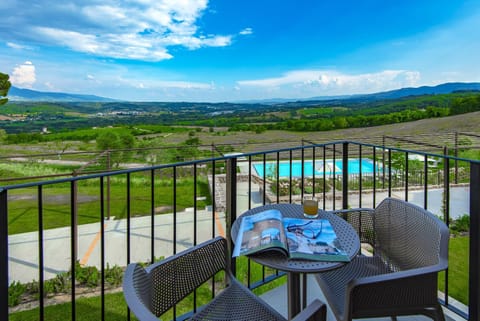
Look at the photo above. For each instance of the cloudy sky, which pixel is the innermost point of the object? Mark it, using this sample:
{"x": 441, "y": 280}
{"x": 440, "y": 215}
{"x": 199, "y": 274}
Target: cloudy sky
{"x": 225, "y": 50}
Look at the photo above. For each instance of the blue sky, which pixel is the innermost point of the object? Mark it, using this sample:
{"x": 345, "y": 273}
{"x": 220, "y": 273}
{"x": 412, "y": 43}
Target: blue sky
{"x": 225, "y": 50}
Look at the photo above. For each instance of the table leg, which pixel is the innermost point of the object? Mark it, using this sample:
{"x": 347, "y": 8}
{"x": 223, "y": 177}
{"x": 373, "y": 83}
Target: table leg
{"x": 293, "y": 285}
{"x": 304, "y": 291}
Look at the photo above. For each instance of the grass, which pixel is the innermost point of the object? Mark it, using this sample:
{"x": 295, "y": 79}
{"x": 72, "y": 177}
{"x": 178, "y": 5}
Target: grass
{"x": 86, "y": 309}
{"x": 31, "y": 168}
{"x": 458, "y": 258}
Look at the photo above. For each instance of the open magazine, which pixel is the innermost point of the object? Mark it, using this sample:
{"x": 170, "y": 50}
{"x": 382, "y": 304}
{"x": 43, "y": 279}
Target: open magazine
{"x": 297, "y": 238}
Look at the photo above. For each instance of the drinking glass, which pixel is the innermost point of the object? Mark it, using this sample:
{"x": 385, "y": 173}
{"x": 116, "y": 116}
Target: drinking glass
{"x": 310, "y": 206}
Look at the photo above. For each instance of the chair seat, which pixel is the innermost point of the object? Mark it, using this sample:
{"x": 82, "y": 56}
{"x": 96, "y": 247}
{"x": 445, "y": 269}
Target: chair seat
{"x": 153, "y": 291}
{"x": 410, "y": 247}
{"x": 236, "y": 302}
{"x": 336, "y": 281}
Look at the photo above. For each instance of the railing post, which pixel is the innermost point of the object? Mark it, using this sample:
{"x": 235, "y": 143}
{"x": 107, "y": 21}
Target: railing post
{"x": 74, "y": 207}
{"x": 231, "y": 203}
{"x": 109, "y": 168}
{"x": 345, "y": 176}
{"x": 456, "y": 156}
{"x": 3, "y": 256}
{"x": 474, "y": 264}
{"x": 383, "y": 162}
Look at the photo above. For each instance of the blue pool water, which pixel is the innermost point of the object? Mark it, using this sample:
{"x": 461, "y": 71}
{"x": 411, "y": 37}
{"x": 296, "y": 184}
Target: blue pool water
{"x": 284, "y": 168}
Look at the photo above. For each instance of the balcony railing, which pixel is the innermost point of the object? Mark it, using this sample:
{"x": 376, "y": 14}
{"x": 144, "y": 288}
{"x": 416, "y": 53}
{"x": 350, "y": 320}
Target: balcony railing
{"x": 114, "y": 218}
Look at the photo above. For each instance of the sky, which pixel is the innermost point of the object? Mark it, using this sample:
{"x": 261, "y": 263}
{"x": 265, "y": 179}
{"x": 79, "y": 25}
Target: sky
{"x": 226, "y": 50}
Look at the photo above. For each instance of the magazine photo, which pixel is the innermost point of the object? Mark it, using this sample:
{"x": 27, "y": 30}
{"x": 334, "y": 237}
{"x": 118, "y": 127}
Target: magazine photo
{"x": 309, "y": 239}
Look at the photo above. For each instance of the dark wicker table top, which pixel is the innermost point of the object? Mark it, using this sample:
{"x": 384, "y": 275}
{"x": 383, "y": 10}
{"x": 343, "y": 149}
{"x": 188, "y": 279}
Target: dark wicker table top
{"x": 345, "y": 233}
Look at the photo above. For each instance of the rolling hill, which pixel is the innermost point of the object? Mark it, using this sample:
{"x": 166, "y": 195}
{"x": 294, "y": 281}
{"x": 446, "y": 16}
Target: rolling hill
{"x": 19, "y": 94}
{"x": 445, "y": 88}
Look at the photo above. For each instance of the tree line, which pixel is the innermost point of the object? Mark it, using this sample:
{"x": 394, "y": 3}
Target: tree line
{"x": 301, "y": 116}
{"x": 323, "y": 122}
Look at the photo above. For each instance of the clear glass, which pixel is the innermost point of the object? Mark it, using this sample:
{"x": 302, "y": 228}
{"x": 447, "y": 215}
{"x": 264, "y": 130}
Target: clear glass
{"x": 310, "y": 206}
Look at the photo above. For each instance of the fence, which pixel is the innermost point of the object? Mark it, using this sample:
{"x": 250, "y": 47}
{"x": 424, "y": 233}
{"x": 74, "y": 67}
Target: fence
{"x": 111, "y": 219}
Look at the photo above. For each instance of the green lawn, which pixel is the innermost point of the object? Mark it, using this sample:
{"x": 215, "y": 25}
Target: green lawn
{"x": 88, "y": 309}
{"x": 457, "y": 269}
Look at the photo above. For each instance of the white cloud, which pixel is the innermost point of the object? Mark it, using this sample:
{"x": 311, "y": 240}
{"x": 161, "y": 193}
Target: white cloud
{"x": 136, "y": 29}
{"x": 182, "y": 85}
{"x": 333, "y": 82}
{"x": 23, "y": 75}
{"x": 147, "y": 89}
{"x": 92, "y": 79}
{"x": 49, "y": 85}
{"x": 246, "y": 31}
{"x": 18, "y": 46}
{"x": 163, "y": 84}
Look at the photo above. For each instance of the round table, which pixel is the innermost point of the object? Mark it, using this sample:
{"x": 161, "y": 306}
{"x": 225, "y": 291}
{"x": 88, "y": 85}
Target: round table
{"x": 345, "y": 233}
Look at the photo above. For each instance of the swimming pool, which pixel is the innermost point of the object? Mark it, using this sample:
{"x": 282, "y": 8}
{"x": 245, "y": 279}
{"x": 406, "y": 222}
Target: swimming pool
{"x": 284, "y": 168}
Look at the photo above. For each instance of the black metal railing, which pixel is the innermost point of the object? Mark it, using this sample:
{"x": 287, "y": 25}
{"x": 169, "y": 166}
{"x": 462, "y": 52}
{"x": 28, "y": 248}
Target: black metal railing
{"x": 159, "y": 210}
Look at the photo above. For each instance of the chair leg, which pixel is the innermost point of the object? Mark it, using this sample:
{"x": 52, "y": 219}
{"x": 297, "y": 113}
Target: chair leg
{"x": 436, "y": 313}
{"x": 393, "y": 317}
{"x": 439, "y": 316}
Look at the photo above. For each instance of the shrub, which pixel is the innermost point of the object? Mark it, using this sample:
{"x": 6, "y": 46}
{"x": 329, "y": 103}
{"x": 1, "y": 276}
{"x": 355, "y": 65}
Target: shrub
{"x": 113, "y": 275}
{"x": 87, "y": 275}
{"x": 61, "y": 282}
{"x": 461, "y": 224}
{"x": 33, "y": 288}
{"x": 15, "y": 292}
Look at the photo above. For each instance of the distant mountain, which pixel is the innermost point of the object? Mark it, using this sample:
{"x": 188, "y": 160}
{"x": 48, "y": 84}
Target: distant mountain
{"x": 445, "y": 88}
{"x": 276, "y": 101}
{"x": 19, "y": 94}
{"x": 425, "y": 90}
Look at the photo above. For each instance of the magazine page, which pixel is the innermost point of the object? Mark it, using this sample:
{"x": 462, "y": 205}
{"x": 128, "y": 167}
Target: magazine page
{"x": 313, "y": 240}
{"x": 259, "y": 232}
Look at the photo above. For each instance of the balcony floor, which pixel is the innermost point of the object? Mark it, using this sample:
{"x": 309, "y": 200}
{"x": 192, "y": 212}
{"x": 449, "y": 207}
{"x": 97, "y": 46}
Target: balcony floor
{"x": 277, "y": 298}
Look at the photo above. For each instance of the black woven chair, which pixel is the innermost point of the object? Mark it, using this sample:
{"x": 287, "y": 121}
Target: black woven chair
{"x": 410, "y": 247}
{"x": 151, "y": 292}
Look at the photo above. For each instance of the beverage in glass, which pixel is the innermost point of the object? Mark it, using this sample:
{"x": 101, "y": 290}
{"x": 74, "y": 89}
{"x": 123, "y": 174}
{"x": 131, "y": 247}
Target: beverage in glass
{"x": 310, "y": 207}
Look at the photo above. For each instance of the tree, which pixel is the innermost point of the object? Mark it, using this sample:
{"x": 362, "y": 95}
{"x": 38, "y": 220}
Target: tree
{"x": 4, "y": 87}
{"x": 192, "y": 141}
{"x": 118, "y": 145}
{"x": 3, "y": 135}
{"x": 108, "y": 140}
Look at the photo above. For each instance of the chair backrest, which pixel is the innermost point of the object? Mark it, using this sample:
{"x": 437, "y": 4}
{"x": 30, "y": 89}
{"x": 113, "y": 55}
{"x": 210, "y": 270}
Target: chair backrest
{"x": 163, "y": 284}
{"x": 408, "y": 236}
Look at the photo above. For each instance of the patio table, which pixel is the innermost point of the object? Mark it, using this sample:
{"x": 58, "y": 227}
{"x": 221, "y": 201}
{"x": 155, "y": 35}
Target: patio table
{"x": 346, "y": 235}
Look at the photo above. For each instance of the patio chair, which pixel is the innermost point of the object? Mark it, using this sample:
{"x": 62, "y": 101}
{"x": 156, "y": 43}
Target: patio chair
{"x": 410, "y": 247}
{"x": 152, "y": 291}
